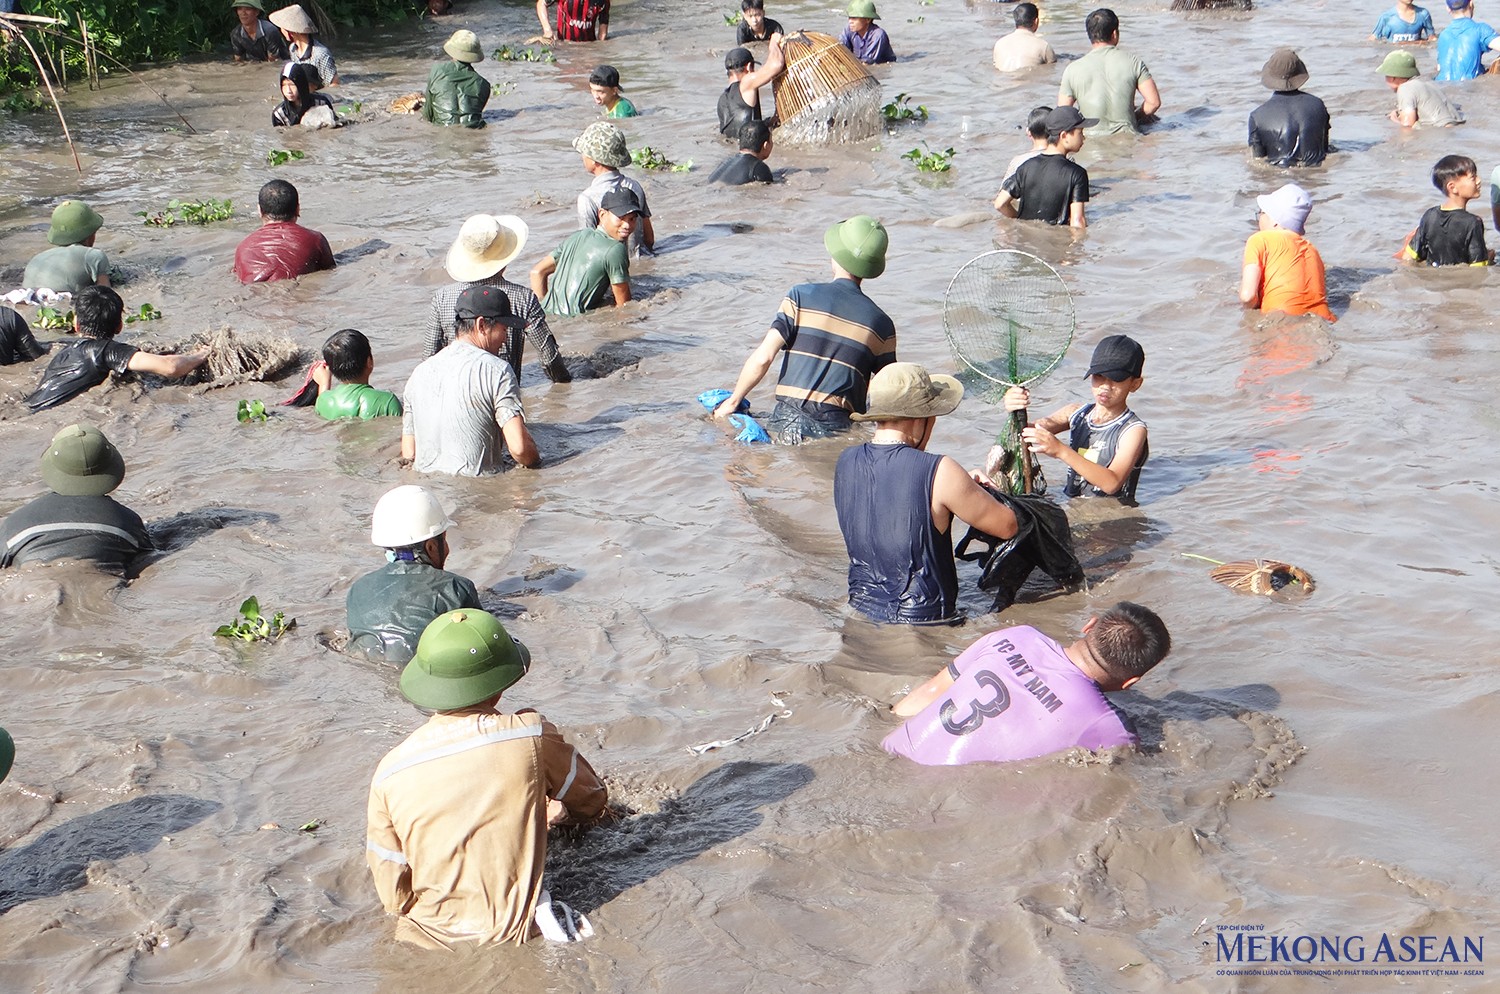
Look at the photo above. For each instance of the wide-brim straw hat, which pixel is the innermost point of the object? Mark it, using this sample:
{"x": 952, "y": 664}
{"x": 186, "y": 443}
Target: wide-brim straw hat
{"x": 464, "y": 46}
{"x": 1284, "y": 70}
{"x": 907, "y": 390}
{"x": 72, "y": 222}
{"x": 486, "y": 244}
{"x": 604, "y": 143}
{"x": 295, "y": 20}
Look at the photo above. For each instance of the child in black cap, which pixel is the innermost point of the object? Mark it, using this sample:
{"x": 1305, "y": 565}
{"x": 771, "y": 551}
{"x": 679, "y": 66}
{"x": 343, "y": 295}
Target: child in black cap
{"x": 1106, "y": 446}
{"x": 604, "y": 84}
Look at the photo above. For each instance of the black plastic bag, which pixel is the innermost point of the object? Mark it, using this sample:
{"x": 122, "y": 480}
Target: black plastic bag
{"x": 1042, "y": 541}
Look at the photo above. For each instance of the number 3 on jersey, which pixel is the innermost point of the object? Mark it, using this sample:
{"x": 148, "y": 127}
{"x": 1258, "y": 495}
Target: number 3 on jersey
{"x": 979, "y": 711}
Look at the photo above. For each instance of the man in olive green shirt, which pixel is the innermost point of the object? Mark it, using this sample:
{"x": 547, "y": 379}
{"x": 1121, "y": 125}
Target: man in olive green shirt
{"x": 592, "y": 267}
{"x": 1103, "y": 84}
{"x": 75, "y": 263}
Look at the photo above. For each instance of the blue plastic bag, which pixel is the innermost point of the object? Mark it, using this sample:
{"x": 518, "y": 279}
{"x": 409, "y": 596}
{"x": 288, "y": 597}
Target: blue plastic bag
{"x": 750, "y": 429}
{"x": 711, "y": 399}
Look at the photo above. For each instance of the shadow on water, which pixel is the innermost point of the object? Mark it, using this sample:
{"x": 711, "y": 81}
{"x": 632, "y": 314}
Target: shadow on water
{"x": 691, "y": 239}
{"x": 58, "y": 860}
{"x": 1150, "y": 714}
{"x": 601, "y": 864}
{"x": 1345, "y": 281}
{"x": 181, "y": 530}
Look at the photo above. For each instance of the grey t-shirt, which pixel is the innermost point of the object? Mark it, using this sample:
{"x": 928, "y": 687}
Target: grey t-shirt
{"x": 1104, "y": 83}
{"x": 1425, "y": 97}
{"x": 66, "y": 269}
{"x": 454, "y": 404}
{"x": 593, "y": 195}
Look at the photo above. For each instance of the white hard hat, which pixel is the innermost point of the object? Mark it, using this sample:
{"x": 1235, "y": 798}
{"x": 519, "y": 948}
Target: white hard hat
{"x": 407, "y": 516}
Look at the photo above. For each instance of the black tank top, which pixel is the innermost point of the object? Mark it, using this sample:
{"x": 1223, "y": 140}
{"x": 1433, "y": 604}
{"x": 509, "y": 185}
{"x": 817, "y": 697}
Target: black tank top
{"x": 900, "y": 566}
{"x": 734, "y": 112}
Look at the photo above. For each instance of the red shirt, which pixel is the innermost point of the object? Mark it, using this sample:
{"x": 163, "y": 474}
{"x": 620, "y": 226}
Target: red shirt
{"x": 578, "y": 20}
{"x": 281, "y": 250}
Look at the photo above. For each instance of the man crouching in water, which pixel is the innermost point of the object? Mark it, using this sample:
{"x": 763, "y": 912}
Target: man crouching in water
{"x": 459, "y": 811}
{"x": 896, "y": 502}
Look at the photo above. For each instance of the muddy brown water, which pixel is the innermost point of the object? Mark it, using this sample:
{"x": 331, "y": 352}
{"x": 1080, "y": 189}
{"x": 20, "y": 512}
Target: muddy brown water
{"x": 1321, "y": 768}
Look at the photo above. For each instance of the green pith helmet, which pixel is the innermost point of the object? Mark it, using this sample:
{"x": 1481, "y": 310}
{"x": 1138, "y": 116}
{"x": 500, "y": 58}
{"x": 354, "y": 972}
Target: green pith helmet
{"x": 463, "y": 657}
{"x": 81, "y": 462}
{"x": 863, "y": 8}
{"x": 1402, "y": 65}
{"x": 72, "y": 222}
{"x": 858, "y": 245}
{"x": 252, "y": 4}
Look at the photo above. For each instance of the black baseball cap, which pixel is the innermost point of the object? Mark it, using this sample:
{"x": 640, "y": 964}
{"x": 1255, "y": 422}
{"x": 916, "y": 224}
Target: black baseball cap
{"x": 620, "y": 202}
{"x": 606, "y": 76}
{"x": 1066, "y": 119}
{"x": 488, "y": 302}
{"x": 738, "y": 58}
{"x": 1118, "y": 358}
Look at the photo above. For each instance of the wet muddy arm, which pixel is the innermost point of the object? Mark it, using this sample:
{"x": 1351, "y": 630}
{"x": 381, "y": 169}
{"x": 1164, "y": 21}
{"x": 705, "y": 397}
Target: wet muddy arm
{"x": 1250, "y": 278}
{"x": 387, "y": 863}
{"x": 541, "y": 15}
{"x": 914, "y": 702}
{"x": 541, "y": 275}
{"x": 752, "y": 372}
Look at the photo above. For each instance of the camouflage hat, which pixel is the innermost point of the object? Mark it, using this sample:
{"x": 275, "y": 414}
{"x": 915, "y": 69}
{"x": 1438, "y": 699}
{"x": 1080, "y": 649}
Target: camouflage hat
{"x": 604, "y": 143}
{"x": 72, "y": 222}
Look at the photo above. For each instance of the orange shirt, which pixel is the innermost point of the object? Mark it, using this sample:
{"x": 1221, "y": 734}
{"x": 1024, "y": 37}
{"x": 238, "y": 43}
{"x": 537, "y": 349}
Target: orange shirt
{"x": 1291, "y": 270}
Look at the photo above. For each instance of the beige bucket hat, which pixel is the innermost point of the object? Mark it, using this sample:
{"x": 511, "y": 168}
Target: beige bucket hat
{"x": 906, "y": 390}
{"x": 295, "y": 20}
{"x": 485, "y": 245}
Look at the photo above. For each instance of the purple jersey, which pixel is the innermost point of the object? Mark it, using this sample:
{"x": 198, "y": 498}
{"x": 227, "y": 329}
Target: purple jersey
{"x": 1015, "y": 695}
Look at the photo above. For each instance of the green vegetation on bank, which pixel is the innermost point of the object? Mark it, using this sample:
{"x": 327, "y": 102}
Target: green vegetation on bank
{"x": 133, "y": 31}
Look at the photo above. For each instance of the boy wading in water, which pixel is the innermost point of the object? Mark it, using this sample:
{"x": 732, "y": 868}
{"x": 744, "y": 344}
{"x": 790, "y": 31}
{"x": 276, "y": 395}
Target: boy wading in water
{"x": 1106, "y": 445}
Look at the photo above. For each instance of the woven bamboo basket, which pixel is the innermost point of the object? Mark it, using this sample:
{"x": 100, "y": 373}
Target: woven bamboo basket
{"x": 825, "y": 94}
{"x": 1263, "y": 576}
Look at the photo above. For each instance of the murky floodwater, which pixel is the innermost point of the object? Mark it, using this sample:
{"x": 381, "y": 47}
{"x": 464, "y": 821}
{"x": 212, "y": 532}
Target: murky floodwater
{"x": 671, "y": 582}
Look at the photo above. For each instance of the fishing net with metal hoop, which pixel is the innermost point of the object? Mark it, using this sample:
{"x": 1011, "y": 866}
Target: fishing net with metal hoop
{"x": 1009, "y": 320}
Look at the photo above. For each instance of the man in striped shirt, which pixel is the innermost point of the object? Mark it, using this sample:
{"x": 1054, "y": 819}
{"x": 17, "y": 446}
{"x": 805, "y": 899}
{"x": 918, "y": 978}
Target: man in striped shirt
{"x": 459, "y": 811}
{"x": 831, "y": 339}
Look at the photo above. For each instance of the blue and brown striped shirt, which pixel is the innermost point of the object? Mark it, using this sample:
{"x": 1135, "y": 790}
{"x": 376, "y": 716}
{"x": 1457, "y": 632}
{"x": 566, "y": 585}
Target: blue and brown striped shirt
{"x": 836, "y": 339}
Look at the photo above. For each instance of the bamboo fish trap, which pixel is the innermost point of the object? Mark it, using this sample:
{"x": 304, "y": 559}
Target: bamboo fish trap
{"x": 1260, "y": 576}
{"x": 825, "y": 94}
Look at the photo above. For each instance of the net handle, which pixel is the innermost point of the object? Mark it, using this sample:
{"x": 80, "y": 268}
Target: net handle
{"x": 1018, "y": 422}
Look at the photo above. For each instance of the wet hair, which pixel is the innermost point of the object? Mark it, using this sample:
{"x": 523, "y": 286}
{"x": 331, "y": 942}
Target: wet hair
{"x": 1036, "y": 122}
{"x": 1102, "y": 25}
{"x": 1026, "y": 15}
{"x": 278, "y": 201}
{"x": 753, "y": 134}
{"x": 759, "y": 5}
{"x": 1128, "y": 640}
{"x": 98, "y": 310}
{"x": 1450, "y": 168}
{"x": 347, "y": 352}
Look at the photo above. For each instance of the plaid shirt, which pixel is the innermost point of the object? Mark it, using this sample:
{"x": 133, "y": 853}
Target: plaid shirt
{"x": 522, "y": 302}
